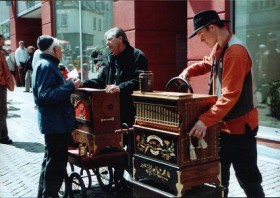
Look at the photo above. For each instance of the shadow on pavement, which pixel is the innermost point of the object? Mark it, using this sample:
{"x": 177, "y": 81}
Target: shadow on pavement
{"x": 32, "y": 147}
{"x": 10, "y": 102}
{"x": 13, "y": 115}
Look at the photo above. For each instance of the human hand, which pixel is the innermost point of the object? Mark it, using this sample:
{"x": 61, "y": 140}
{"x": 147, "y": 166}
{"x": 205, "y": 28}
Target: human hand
{"x": 199, "y": 130}
{"x": 98, "y": 65}
{"x": 112, "y": 89}
{"x": 77, "y": 83}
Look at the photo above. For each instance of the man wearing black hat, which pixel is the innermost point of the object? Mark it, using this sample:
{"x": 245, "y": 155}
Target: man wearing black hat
{"x": 231, "y": 80}
{"x": 56, "y": 117}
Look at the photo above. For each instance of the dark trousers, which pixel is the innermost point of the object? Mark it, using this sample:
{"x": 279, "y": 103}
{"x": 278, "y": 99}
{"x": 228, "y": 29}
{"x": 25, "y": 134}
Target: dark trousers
{"x": 22, "y": 74}
{"x": 54, "y": 165}
{"x": 240, "y": 151}
{"x": 3, "y": 113}
{"x": 17, "y": 77}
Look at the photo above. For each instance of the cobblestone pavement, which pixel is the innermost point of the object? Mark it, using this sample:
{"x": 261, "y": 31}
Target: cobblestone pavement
{"x": 20, "y": 162}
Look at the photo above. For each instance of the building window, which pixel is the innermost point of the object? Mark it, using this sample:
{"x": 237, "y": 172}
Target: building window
{"x": 63, "y": 20}
{"x": 80, "y": 30}
{"x": 100, "y": 25}
{"x": 94, "y": 23}
{"x": 258, "y": 24}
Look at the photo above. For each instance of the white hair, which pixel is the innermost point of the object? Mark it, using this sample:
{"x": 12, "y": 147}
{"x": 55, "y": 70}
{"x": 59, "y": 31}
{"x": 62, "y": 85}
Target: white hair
{"x": 55, "y": 43}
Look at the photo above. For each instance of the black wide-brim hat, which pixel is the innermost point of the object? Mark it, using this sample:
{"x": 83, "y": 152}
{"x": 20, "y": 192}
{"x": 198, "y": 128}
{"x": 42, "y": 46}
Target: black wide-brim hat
{"x": 205, "y": 18}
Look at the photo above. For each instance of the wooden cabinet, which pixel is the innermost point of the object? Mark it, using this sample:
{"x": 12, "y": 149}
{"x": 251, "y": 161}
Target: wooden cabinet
{"x": 164, "y": 152}
{"x": 96, "y": 111}
{"x": 98, "y": 117}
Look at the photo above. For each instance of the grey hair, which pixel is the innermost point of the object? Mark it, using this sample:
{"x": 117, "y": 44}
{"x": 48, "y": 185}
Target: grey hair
{"x": 55, "y": 43}
{"x": 117, "y": 32}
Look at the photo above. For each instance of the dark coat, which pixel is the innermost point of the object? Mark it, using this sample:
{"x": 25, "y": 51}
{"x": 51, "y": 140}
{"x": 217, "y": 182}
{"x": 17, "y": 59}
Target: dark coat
{"x": 52, "y": 96}
{"x": 28, "y": 64}
{"x": 122, "y": 70}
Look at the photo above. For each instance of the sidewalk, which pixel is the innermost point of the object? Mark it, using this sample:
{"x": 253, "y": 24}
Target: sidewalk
{"x": 20, "y": 162}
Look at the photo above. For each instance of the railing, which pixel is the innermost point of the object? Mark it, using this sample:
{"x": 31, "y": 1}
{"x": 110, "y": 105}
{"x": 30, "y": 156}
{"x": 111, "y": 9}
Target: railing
{"x": 24, "y": 7}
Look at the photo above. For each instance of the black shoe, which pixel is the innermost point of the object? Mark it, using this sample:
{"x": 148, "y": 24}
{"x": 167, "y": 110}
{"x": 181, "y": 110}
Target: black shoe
{"x": 6, "y": 141}
{"x": 26, "y": 91}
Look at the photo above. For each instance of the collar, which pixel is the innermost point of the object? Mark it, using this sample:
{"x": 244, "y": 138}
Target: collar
{"x": 123, "y": 53}
{"x": 220, "y": 49}
{"x": 49, "y": 57}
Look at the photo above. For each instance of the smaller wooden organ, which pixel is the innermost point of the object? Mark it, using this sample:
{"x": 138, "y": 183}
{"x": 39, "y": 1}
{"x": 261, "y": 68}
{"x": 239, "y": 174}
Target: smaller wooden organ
{"x": 164, "y": 152}
{"x": 98, "y": 116}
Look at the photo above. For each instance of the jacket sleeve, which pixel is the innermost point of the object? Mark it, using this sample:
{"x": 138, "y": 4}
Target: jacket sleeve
{"x": 6, "y": 78}
{"x": 141, "y": 63}
{"x": 99, "y": 82}
{"x": 237, "y": 64}
{"x": 202, "y": 67}
{"x": 49, "y": 93}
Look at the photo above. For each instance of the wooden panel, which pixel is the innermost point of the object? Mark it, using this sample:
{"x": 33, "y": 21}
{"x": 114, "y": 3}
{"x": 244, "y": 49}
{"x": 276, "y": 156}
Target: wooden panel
{"x": 174, "y": 148}
{"x": 173, "y": 179}
{"x": 97, "y": 144}
{"x": 96, "y": 111}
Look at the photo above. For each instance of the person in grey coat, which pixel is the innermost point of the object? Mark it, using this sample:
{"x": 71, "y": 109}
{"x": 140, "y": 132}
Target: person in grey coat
{"x": 56, "y": 117}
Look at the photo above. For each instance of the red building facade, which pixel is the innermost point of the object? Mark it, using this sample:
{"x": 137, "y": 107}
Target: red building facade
{"x": 156, "y": 27}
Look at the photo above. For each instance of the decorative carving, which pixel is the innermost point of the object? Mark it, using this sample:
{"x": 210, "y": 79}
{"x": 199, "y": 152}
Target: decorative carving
{"x": 155, "y": 171}
{"x": 156, "y": 146}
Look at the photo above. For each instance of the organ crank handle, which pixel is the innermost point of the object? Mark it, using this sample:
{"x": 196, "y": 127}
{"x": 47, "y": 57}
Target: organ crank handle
{"x": 129, "y": 130}
{"x": 125, "y": 129}
{"x": 181, "y": 85}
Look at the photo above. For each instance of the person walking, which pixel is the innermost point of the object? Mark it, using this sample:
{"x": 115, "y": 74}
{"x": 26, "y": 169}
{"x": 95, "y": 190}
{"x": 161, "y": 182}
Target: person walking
{"x": 6, "y": 82}
{"x": 56, "y": 118}
{"x": 21, "y": 56}
{"x": 230, "y": 65}
{"x": 121, "y": 74}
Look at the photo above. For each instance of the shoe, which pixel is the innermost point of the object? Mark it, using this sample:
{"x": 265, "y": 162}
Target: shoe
{"x": 26, "y": 91}
{"x": 6, "y": 141}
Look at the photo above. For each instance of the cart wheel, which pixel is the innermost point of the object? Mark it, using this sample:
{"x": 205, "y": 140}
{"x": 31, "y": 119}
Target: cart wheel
{"x": 119, "y": 181}
{"x": 178, "y": 84}
{"x": 104, "y": 177}
{"x": 86, "y": 176}
{"x": 64, "y": 189}
{"x": 77, "y": 186}
{"x": 72, "y": 167}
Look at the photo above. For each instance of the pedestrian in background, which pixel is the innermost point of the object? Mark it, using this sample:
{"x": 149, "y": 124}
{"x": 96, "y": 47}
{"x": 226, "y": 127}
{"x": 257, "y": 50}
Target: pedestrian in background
{"x": 11, "y": 61}
{"x": 231, "y": 80}
{"x": 28, "y": 68}
{"x": 35, "y": 58}
{"x": 121, "y": 75}
{"x": 21, "y": 56}
{"x": 63, "y": 70}
{"x": 6, "y": 82}
{"x": 56, "y": 117}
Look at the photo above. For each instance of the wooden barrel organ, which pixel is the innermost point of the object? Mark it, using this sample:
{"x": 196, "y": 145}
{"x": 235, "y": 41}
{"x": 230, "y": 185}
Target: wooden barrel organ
{"x": 98, "y": 116}
{"x": 164, "y": 152}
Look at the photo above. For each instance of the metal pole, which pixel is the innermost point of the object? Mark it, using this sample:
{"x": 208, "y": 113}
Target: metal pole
{"x": 81, "y": 44}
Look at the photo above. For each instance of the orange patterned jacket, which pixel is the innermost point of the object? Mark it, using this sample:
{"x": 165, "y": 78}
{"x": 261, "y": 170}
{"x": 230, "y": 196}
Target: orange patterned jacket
{"x": 237, "y": 63}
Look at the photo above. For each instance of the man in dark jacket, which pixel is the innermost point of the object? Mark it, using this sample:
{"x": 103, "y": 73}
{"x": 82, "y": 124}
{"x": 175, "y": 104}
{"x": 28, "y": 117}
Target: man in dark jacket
{"x": 121, "y": 74}
{"x": 56, "y": 117}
